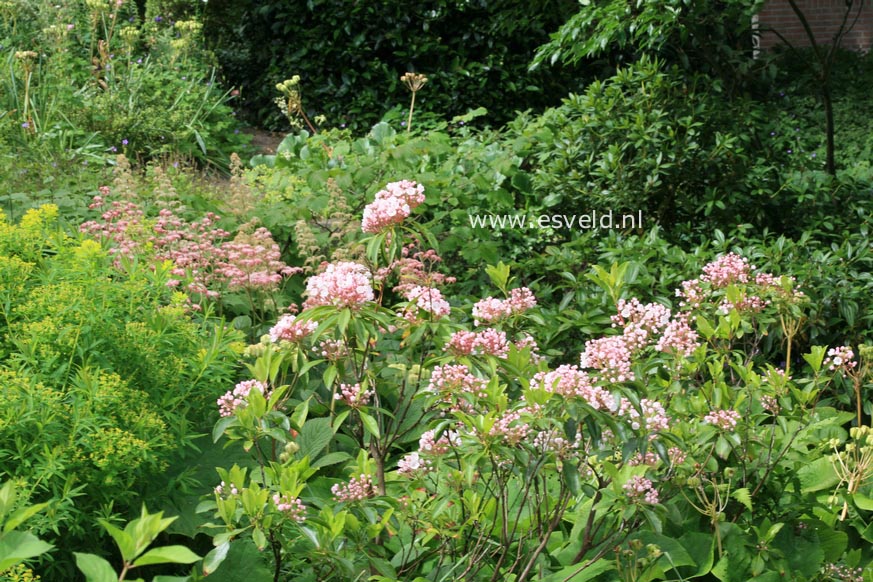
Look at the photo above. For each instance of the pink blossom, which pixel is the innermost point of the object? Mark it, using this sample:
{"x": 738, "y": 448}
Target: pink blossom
{"x": 653, "y": 419}
{"x": 727, "y": 269}
{"x": 639, "y": 489}
{"x": 353, "y": 395}
{"x": 840, "y": 359}
{"x": 292, "y": 330}
{"x": 343, "y": 284}
{"x": 691, "y": 293}
{"x": 223, "y": 490}
{"x": 392, "y": 205}
{"x": 572, "y": 382}
{"x": 488, "y": 342}
{"x": 429, "y": 444}
{"x": 611, "y": 356}
{"x": 357, "y": 489}
{"x": 332, "y": 349}
{"x": 770, "y": 404}
{"x": 723, "y": 419}
{"x": 429, "y": 300}
{"x": 490, "y": 310}
{"x": 235, "y": 399}
{"x": 412, "y": 465}
{"x": 291, "y": 506}
{"x": 455, "y": 379}
{"x": 510, "y": 428}
{"x": 678, "y": 338}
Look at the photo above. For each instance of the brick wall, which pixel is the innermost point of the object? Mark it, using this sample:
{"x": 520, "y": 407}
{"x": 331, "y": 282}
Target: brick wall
{"x": 824, "y": 17}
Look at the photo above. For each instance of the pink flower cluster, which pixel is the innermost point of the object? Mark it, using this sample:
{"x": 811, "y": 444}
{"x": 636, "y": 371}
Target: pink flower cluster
{"x": 415, "y": 269}
{"x": 640, "y": 322}
{"x": 427, "y": 299}
{"x": 290, "y": 329}
{"x": 332, "y": 350}
{"x": 224, "y": 491}
{"x": 747, "y": 303}
{"x": 770, "y": 404}
{"x": 725, "y": 270}
{"x": 571, "y": 382}
{"x": 236, "y": 398}
{"x": 510, "y": 428}
{"x": 640, "y": 489}
{"x": 392, "y": 206}
{"x": 428, "y": 444}
{"x": 357, "y": 489}
{"x": 649, "y": 459}
{"x": 252, "y": 261}
{"x": 456, "y": 379}
{"x": 490, "y": 310}
{"x": 550, "y": 441}
{"x": 723, "y": 419}
{"x": 611, "y": 356}
{"x": 840, "y": 359}
{"x": 353, "y": 395}
{"x": 652, "y": 417}
{"x": 291, "y": 506}
{"x": 412, "y": 465}
{"x": 678, "y": 338}
{"x": 342, "y": 284}
{"x": 488, "y": 342}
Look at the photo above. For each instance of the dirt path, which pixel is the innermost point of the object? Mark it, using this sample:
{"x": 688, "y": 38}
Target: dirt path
{"x": 265, "y": 142}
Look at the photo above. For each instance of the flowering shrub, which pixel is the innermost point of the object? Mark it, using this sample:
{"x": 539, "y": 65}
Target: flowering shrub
{"x": 472, "y": 456}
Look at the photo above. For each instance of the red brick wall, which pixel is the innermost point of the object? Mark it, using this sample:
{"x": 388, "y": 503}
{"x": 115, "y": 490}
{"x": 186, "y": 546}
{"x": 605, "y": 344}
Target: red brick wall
{"x": 824, "y": 17}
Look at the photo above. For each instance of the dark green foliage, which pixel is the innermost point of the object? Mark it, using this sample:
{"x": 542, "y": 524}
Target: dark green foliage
{"x": 350, "y": 55}
{"x": 714, "y": 38}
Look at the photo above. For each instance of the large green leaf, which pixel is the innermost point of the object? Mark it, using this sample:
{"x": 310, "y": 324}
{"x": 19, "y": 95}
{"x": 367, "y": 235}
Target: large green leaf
{"x": 581, "y": 573}
{"x": 315, "y": 435}
{"x": 167, "y": 555}
{"x": 95, "y": 568}
{"x": 817, "y": 475}
{"x": 17, "y": 546}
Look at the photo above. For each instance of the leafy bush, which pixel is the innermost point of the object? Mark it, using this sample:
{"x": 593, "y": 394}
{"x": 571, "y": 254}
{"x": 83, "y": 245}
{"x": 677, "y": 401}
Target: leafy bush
{"x": 106, "y": 376}
{"x": 87, "y": 79}
{"x": 659, "y": 140}
{"x": 350, "y": 56}
{"x": 394, "y": 435}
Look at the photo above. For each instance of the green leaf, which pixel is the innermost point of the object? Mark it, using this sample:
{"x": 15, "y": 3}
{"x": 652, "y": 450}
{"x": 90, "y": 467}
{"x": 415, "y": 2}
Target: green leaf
{"x": 863, "y": 502}
{"x": 17, "y": 546}
{"x": 315, "y": 435}
{"x": 167, "y": 555}
{"x": 214, "y": 558}
{"x": 370, "y": 424}
{"x": 259, "y": 538}
{"x": 331, "y": 459}
{"x": 499, "y": 275}
{"x": 21, "y": 515}
{"x": 222, "y": 425}
{"x": 581, "y": 573}
{"x": 124, "y": 541}
{"x": 743, "y": 496}
{"x": 300, "y": 413}
{"x": 817, "y": 475}
{"x": 95, "y": 568}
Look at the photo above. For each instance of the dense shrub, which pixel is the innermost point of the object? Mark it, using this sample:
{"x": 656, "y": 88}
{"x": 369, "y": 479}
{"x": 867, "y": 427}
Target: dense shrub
{"x": 107, "y": 366}
{"x": 350, "y": 56}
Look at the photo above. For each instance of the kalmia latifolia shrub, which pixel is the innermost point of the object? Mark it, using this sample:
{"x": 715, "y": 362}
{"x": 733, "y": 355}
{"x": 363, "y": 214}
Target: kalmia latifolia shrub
{"x": 397, "y": 434}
